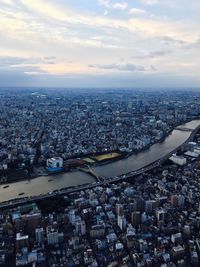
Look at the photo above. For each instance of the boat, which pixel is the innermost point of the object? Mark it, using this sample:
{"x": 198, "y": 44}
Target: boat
{"x": 6, "y": 186}
{"x": 20, "y": 194}
{"x": 50, "y": 180}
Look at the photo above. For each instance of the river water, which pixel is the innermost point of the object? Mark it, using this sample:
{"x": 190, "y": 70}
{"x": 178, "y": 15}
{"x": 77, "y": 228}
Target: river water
{"x": 42, "y": 185}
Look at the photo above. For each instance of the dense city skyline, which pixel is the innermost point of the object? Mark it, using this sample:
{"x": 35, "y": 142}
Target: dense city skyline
{"x": 100, "y": 43}
{"x": 106, "y": 178}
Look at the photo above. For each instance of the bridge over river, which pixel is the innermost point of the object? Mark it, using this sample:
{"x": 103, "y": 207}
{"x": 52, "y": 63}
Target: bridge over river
{"x": 88, "y": 169}
{"x": 111, "y": 172}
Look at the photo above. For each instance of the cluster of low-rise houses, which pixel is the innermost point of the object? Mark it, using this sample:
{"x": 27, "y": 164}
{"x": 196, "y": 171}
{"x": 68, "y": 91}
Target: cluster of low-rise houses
{"x": 37, "y": 125}
{"x": 152, "y": 220}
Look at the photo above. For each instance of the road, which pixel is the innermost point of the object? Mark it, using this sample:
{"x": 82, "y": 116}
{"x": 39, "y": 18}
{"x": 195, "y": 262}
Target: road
{"x": 115, "y": 179}
{"x": 78, "y": 188}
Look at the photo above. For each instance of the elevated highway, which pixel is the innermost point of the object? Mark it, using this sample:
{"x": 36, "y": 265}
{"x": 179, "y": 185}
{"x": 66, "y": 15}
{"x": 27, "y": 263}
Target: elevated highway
{"x": 61, "y": 192}
{"x": 101, "y": 181}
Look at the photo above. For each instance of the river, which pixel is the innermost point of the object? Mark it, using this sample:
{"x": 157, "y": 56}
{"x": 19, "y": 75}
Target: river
{"x": 42, "y": 185}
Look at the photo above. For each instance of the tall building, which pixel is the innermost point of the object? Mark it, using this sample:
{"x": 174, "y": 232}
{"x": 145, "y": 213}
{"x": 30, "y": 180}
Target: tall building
{"x": 140, "y": 204}
{"x": 136, "y": 218}
{"x": 119, "y": 209}
{"x": 160, "y": 215}
{"x": 72, "y": 217}
{"x": 52, "y": 236}
{"x": 80, "y": 227}
{"x": 22, "y": 241}
{"x": 97, "y": 231}
{"x": 150, "y": 206}
{"x": 26, "y": 217}
{"x": 121, "y": 221}
{"x": 39, "y": 235}
{"x": 176, "y": 238}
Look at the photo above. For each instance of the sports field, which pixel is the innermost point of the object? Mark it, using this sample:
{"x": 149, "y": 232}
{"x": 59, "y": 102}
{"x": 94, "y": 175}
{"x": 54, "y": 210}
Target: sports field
{"x": 107, "y": 156}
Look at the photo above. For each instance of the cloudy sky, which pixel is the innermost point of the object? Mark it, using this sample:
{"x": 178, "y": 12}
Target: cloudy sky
{"x": 100, "y": 43}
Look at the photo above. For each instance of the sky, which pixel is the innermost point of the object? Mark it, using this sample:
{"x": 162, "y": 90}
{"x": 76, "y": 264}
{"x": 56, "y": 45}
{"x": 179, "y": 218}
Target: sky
{"x": 100, "y": 43}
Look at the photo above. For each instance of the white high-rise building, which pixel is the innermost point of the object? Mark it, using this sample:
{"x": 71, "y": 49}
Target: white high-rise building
{"x": 52, "y": 236}
{"x": 121, "y": 221}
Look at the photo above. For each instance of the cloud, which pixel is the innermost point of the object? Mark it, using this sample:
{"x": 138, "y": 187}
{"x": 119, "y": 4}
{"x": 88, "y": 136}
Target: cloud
{"x": 150, "y": 2}
{"x": 171, "y": 40}
{"x": 50, "y": 58}
{"x": 19, "y": 75}
{"x": 153, "y": 54}
{"x": 60, "y": 38}
{"x": 105, "y": 3}
{"x": 39, "y": 66}
{"x": 7, "y": 2}
{"x": 166, "y": 29}
{"x": 137, "y": 11}
{"x": 73, "y": 27}
{"x": 121, "y": 6}
{"x": 109, "y": 5}
{"x": 119, "y": 67}
{"x": 11, "y": 61}
{"x": 22, "y": 61}
{"x": 64, "y": 68}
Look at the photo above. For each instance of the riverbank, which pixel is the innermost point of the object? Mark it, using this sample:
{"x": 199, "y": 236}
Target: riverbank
{"x": 94, "y": 164}
{"x": 156, "y": 151}
{"x": 76, "y": 178}
{"x": 60, "y": 188}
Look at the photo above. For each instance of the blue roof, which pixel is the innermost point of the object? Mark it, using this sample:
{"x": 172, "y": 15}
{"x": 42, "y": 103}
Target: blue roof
{"x": 15, "y": 215}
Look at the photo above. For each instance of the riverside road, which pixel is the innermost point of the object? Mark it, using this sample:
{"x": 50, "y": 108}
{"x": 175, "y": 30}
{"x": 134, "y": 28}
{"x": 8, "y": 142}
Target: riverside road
{"x": 40, "y": 187}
